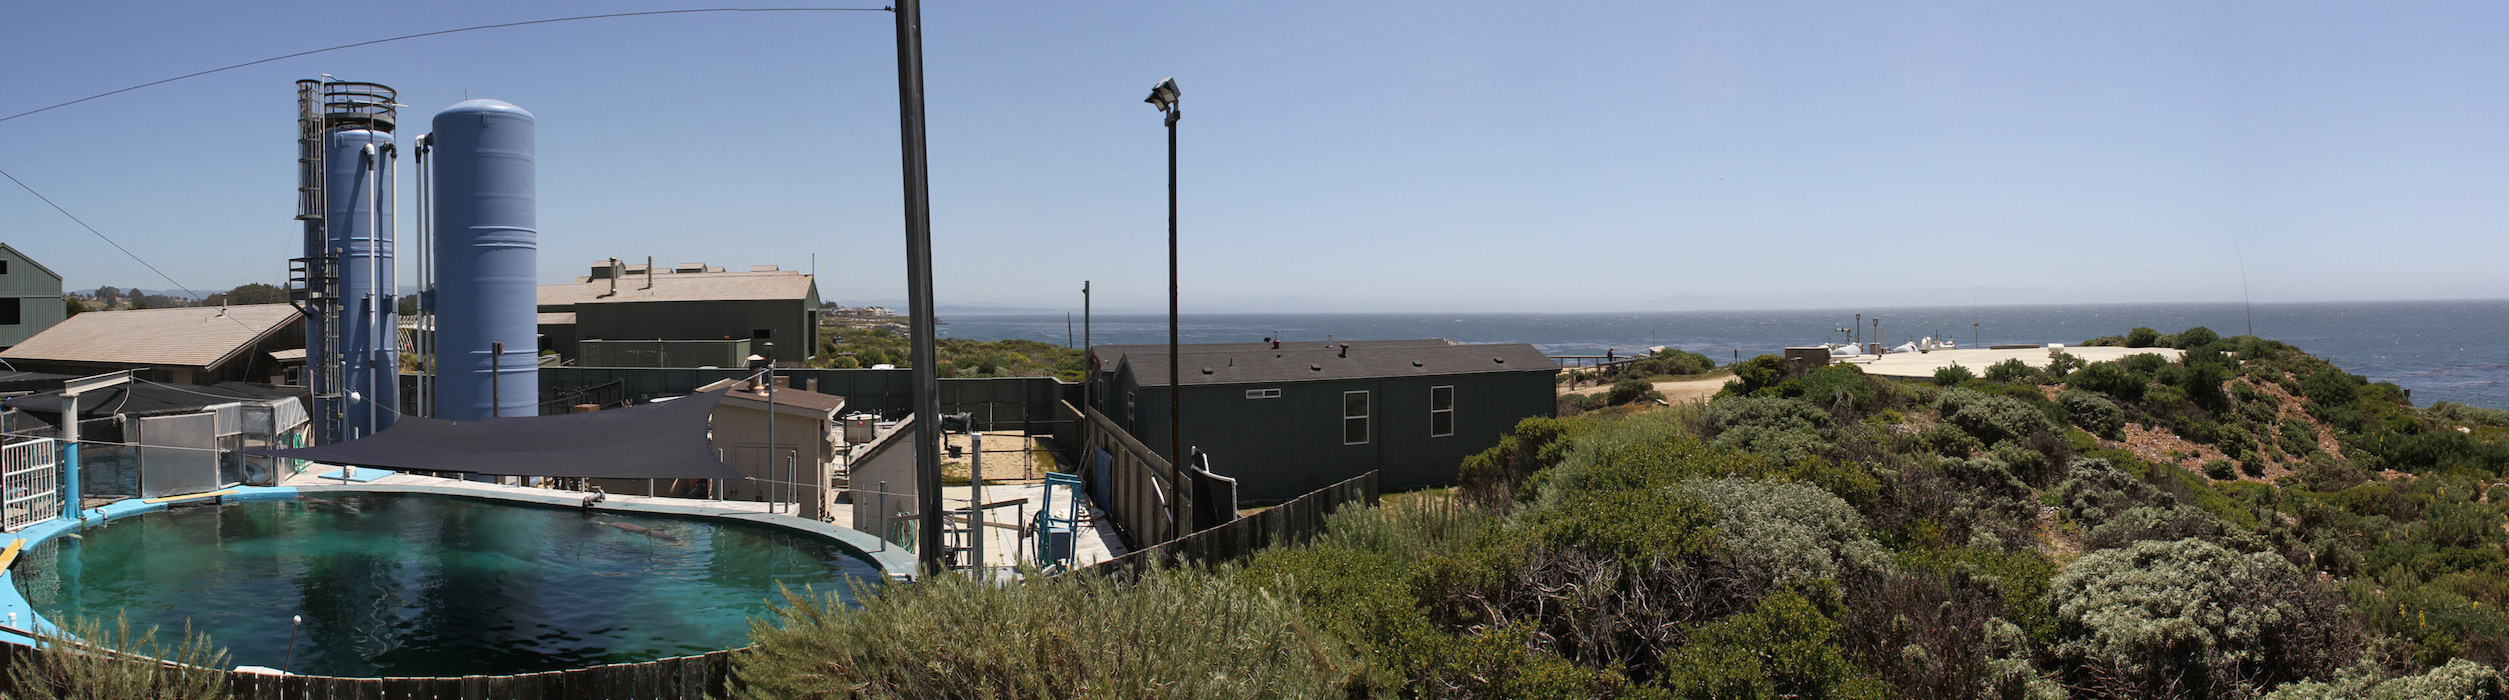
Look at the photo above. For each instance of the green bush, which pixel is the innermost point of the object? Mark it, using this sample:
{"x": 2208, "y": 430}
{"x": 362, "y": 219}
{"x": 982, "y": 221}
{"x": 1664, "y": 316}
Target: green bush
{"x": 1628, "y": 391}
{"x": 1762, "y": 411}
{"x": 1992, "y": 419}
{"x": 1783, "y": 648}
{"x": 2461, "y": 414}
{"x": 1952, "y": 375}
{"x": 2094, "y": 490}
{"x": 2331, "y": 387}
{"x": 1496, "y": 476}
{"x": 1186, "y": 633}
{"x": 2197, "y": 337}
{"x": 2142, "y": 337}
{"x": 2093, "y": 412}
{"x": 2109, "y": 378}
{"x": 2063, "y": 365}
{"x": 1784, "y": 535}
{"x": 68, "y": 668}
{"x": 2190, "y": 617}
{"x": 2012, "y": 371}
{"x": 2165, "y": 524}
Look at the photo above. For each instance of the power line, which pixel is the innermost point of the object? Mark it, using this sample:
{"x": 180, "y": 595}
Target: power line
{"x": 440, "y": 33}
{"x": 100, "y": 234}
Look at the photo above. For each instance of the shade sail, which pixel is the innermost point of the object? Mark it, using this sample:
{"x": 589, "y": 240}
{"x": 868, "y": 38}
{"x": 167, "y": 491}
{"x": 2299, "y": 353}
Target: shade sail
{"x": 654, "y": 441}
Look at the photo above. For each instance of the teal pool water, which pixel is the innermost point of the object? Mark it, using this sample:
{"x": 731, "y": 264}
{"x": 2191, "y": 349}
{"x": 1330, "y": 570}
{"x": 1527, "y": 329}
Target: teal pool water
{"x": 397, "y": 585}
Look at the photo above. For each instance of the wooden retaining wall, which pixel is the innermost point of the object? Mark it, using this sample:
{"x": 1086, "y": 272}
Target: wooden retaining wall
{"x": 1289, "y": 523}
{"x": 685, "y": 677}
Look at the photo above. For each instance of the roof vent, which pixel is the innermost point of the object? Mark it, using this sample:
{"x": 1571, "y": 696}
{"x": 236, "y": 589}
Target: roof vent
{"x": 1415, "y": 363}
{"x": 1500, "y": 360}
{"x": 1345, "y": 350}
{"x": 1206, "y": 370}
{"x": 1317, "y": 368}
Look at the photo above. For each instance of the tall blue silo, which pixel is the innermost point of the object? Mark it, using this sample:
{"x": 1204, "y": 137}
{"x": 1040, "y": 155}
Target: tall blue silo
{"x": 486, "y": 248}
{"x": 346, "y": 282}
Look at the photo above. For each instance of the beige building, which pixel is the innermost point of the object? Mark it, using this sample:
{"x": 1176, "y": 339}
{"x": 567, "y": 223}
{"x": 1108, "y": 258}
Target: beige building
{"x": 185, "y": 345}
{"x": 808, "y": 440}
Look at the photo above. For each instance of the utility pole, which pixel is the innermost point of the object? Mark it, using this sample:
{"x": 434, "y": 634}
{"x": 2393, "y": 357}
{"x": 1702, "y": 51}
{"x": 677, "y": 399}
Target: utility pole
{"x": 927, "y": 384}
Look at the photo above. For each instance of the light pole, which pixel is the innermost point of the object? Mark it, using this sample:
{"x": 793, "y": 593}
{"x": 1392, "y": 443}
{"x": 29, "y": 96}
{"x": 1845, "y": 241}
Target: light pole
{"x": 1164, "y": 97}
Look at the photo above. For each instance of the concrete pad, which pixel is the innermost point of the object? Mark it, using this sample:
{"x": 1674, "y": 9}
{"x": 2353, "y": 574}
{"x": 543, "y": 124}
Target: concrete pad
{"x": 1923, "y": 364}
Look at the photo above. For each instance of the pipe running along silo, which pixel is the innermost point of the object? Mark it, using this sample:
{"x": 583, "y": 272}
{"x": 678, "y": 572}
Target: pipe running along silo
{"x": 346, "y": 280}
{"x": 486, "y": 249}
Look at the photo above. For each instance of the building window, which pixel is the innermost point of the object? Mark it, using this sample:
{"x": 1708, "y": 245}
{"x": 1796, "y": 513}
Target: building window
{"x": 1354, "y": 418}
{"x": 4, "y": 267}
{"x": 1263, "y": 393}
{"x": 762, "y": 333}
{"x": 1441, "y": 411}
{"x": 10, "y": 314}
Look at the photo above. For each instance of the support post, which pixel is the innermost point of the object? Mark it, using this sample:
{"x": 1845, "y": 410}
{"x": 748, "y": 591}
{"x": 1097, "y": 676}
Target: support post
{"x": 927, "y": 384}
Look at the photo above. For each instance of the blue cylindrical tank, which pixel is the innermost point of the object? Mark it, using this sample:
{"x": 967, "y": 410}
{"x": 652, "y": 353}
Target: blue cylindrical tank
{"x": 487, "y": 244}
{"x": 357, "y": 210}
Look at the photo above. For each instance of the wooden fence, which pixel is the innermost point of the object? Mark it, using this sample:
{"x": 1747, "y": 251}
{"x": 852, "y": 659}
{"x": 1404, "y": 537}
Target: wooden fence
{"x": 686, "y": 677}
{"x": 1286, "y": 524}
{"x": 1141, "y": 489}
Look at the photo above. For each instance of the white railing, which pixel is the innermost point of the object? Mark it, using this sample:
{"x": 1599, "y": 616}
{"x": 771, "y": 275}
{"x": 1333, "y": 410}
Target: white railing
{"x": 30, "y": 484}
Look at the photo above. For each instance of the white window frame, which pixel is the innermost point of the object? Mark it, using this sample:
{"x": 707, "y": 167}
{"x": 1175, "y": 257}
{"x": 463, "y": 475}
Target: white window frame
{"x": 1448, "y": 412}
{"x": 1263, "y": 393}
{"x": 1366, "y": 408}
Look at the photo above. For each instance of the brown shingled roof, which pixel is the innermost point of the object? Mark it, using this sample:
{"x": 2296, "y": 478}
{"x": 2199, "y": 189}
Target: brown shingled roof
{"x": 710, "y": 286}
{"x": 194, "y": 336}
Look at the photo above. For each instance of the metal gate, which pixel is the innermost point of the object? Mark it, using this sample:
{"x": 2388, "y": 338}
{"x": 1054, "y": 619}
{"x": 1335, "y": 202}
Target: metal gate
{"x": 30, "y": 484}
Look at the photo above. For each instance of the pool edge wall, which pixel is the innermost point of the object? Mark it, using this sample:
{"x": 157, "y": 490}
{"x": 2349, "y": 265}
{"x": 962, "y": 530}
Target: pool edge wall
{"x": 895, "y": 564}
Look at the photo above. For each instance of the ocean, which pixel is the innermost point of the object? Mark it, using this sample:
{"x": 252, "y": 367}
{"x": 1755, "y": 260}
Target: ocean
{"x": 2440, "y": 350}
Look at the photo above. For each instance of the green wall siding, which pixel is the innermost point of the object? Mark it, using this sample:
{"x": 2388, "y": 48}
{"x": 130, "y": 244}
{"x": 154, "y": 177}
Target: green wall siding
{"x": 38, "y": 295}
{"x": 795, "y": 332}
{"x": 1278, "y": 448}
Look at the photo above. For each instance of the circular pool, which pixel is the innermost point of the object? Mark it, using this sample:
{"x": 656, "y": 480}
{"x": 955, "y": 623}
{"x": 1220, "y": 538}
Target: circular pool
{"x": 414, "y": 585}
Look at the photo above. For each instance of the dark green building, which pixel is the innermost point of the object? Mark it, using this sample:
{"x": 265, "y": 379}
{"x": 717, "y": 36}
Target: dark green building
{"x": 689, "y": 315}
{"x": 1287, "y": 418}
{"x": 30, "y": 297}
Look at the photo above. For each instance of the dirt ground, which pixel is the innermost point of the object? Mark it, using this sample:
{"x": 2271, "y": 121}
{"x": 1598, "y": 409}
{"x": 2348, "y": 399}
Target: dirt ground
{"x": 1009, "y": 457}
{"x": 1676, "y": 391}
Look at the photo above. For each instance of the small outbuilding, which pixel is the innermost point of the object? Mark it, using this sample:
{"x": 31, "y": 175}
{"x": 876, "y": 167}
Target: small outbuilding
{"x": 30, "y": 297}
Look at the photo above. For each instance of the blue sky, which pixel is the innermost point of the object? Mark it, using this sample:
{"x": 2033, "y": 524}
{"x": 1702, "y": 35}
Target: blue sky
{"x": 1377, "y": 156}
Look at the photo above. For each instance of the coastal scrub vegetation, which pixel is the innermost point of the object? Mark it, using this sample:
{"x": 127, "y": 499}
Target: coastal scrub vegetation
{"x": 2245, "y": 521}
{"x": 850, "y": 347}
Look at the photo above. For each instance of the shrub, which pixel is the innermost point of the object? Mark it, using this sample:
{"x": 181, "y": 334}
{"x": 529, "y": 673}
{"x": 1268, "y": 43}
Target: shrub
{"x": 2064, "y": 363}
{"x": 2197, "y": 337}
{"x": 1497, "y": 475}
{"x": 1788, "y": 534}
{"x": 2190, "y": 617}
{"x": 1952, "y": 375}
{"x": 2142, "y": 337}
{"x": 2012, "y": 371}
{"x": 1783, "y": 648}
{"x": 1779, "y": 446}
{"x": 2109, "y": 378}
{"x": 1993, "y": 419}
{"x": 1190, "y": 634}
{"x": 2462, "y": 414}
{"x": 67, "y": 668}
{"x": 1835, "y": 385}
{"x": 1764, "y": 412}
{"x": 2094, "y": 490}
{"x": 1629, "y": 391}
{"x": 2331, "y": 387}
{"x": 2094, "y": 413}
{"x": 2165, "y": 524}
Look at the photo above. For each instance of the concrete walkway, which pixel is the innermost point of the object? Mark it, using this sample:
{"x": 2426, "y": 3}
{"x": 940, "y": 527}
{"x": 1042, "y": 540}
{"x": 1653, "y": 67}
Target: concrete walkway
{"x": 1923, "y": 364}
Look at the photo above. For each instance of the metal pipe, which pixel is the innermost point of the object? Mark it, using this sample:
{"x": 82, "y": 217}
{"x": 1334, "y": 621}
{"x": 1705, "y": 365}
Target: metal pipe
{"x": 927, "y": 384}
{"x": 496, "y": 375}
{"x": 374, "y": 255}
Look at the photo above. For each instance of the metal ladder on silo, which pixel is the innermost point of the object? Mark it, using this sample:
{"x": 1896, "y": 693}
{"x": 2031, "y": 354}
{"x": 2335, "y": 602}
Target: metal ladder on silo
{"x": 314, "y": 281}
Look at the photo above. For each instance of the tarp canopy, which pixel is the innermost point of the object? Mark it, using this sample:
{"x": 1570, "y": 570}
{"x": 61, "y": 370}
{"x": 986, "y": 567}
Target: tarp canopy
{"x": 653, "y": 441}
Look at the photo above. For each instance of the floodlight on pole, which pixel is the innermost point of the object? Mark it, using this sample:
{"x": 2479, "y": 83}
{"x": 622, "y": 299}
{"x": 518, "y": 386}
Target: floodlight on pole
{"x": 1164, "y": 96}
